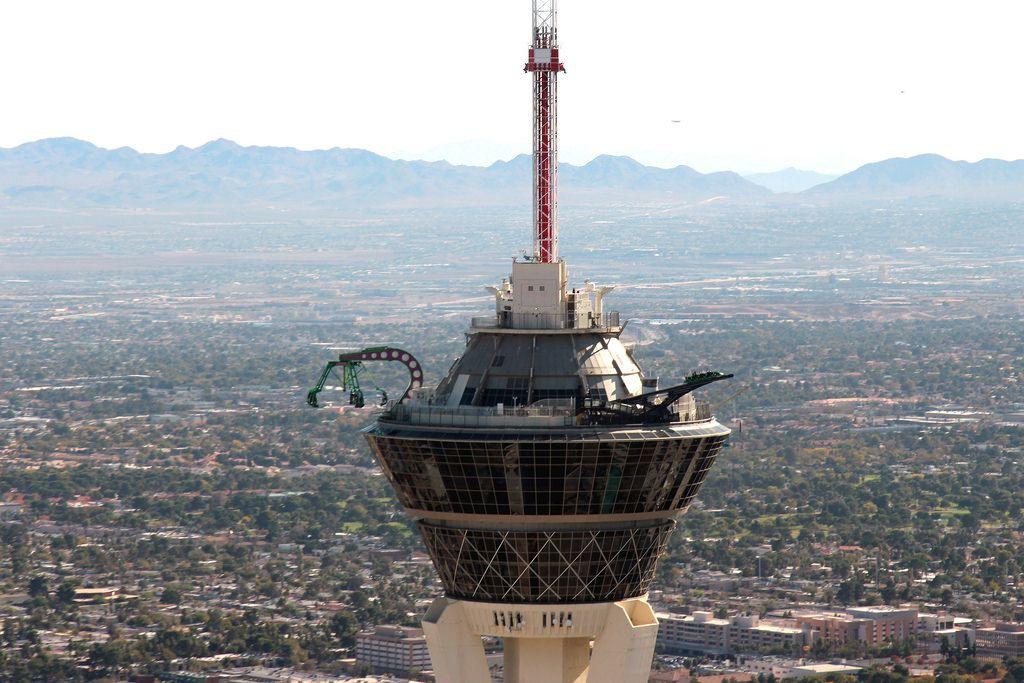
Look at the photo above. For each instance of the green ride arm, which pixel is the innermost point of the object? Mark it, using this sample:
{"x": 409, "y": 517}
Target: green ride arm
{"x": 311, "y": 397}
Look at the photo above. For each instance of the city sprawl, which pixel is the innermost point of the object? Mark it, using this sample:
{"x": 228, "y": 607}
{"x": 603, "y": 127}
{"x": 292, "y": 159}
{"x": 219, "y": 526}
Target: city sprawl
{"x": 170, "y": 504}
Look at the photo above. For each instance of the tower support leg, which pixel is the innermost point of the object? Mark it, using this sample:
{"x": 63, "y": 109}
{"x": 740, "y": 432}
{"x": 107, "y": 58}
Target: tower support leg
{"x": 547, "y": 660}
{"x": 456, "y": 650}
{"x": 624, "y": 650}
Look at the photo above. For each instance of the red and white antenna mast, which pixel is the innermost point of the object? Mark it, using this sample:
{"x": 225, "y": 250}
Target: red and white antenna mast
{"x": 545, "y": 65}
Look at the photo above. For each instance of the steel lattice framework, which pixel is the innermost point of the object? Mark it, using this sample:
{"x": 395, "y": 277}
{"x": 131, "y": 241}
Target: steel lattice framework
{"x": 562, "y": 517}
{"x": 554, "y": 567}
{"x": 545, "y": 65}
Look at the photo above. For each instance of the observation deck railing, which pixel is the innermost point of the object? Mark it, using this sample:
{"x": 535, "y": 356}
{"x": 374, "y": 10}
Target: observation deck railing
{"x": 546, "y": 321}
{"x": 701, "y": 413}
{"x": 481, "y": 416}
{"x": 519, "y": 416}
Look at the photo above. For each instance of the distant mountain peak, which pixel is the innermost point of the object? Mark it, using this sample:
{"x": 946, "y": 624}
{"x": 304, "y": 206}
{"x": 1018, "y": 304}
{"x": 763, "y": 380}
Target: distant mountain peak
{"x": 218, "y": 145}
{"x": 55, "y": 145}
{"x": 613, "y": 161}
{"x": 928, "y": 175}
{"x": 518, "y": 161}
{"x": 66, "y": 142}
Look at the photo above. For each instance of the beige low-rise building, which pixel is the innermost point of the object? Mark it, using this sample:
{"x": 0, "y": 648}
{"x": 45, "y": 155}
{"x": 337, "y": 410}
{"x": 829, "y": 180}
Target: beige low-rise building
{"x": 1005, "y": 639}
{"x": 95, "y": 596}
{"x": 887, "y": 623}
{"x": 874, "y": 625}
{"x": 782, "y": 668}
{"x": 702, "y": 633}
{"x": 393, "y": 648}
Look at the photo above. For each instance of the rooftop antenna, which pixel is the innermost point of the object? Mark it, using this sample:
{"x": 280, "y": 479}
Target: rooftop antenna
{"x": 545, "y": 65}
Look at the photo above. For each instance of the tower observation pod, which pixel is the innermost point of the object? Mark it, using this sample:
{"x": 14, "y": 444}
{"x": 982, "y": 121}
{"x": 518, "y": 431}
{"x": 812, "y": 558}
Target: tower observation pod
{"x": 545, "y": 471}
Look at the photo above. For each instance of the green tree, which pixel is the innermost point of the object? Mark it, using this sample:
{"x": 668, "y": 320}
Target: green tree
{"x": 38, "y": 587}
{"x": 170, "y": 596}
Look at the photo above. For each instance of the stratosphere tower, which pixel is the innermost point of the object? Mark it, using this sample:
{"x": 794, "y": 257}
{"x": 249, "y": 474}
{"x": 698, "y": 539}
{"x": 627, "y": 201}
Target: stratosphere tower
{"x": 545, "y": 472}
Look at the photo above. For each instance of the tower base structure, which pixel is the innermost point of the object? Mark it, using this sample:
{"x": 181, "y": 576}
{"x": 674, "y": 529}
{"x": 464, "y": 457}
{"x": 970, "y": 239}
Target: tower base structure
{"x": 609, "y": 642}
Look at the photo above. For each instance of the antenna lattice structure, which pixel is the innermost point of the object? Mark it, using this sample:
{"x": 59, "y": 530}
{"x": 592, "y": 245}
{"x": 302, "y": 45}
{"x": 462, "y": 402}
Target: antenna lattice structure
{"x": 545, "y": 65}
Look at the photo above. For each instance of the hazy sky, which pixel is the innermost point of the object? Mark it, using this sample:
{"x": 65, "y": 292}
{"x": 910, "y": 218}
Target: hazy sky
{"x": 756, "y": 85}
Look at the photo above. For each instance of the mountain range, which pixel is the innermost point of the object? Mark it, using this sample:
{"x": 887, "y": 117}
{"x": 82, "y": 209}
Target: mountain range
{"x": 70, "y": 171}
{"x": 60, "y": 172}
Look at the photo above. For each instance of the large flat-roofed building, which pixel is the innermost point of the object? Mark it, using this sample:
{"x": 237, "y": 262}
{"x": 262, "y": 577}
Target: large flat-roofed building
{"x": 820, "y": 670}
{"x": 835, "y": 628}
{"x": 96, "y": 596}
{"x": 393, "y": 648}
{"x": 702, "y": 633}
{"x": 782, "y": 668}
{"x": 768, "y": 637}
{"x": 932, "y": 623}
{"x": 935, "y": 629}
{"x": 887, "y": 623}
{"x": 1005, "y": 639}
{"x": 698, "y": 633}
{"x": 874, "y": 625}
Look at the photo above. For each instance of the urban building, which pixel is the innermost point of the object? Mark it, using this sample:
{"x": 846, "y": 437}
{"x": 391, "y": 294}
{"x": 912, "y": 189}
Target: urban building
{"x": 1005, "y": 639}
{"x": 933, "y": 623}
{"x": 393, "y": 648}
{"x": 698, "y": 633}
{"x": 935, "y": 629}
{"x": 878, "y": 625}
{"x": 262, "y": 674}
{"x": 885, "y": 623}
{"x": 94, "y": 596}
{"x": 782, "y": 668}
{"x": 874, "y": 625}
{"x": 680, "y": 675}
{"x": 751, "y": 634}
{"x": 545, "y": 471}
{"x": 702, "y": 634}
{"x": 835, "y": 628}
